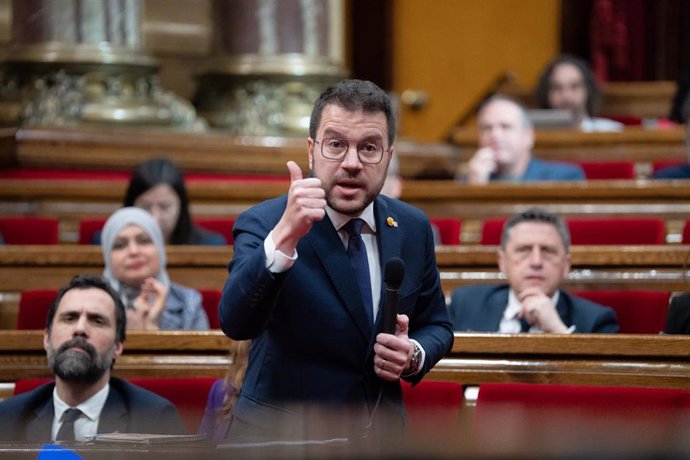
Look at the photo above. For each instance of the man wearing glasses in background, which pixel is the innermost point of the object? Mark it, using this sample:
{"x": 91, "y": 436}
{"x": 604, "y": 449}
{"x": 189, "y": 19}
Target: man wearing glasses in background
{"x": 313, "y": 312}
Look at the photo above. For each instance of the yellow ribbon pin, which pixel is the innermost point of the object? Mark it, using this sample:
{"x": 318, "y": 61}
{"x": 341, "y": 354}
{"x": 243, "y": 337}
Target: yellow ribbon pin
{"x": 391, "y": 222}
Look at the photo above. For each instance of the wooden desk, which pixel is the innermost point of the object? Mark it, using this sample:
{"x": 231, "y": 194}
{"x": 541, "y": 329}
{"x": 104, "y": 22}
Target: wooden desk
{"x": 593, "y": 267}
{"x": 636, "y": 144}
{"x": 72, "y": 200}
{"x": 601, "y": 359}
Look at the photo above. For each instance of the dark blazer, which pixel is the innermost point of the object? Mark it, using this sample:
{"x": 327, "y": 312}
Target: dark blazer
{"x": 678, "y": 315}
{"x": 312, "y": 342}
{"x": 673, "y": 172}
{"x": 538, "y": 170}
{"x": 480, "y": 308}
{"x": 128, "y": 409}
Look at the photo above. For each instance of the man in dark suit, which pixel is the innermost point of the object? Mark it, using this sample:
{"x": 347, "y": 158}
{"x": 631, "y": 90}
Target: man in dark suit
{"x": 534, "y": 257}
{"x": 316, "y": 325}
{"x": 506, "y": 138}
{"x": 85, "y": 333}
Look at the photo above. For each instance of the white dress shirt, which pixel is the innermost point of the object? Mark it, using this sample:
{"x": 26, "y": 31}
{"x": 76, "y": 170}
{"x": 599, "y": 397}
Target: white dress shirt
{"x": 87, "y": 423}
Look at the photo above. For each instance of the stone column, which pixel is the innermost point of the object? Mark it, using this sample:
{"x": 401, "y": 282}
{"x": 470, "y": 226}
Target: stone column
{"x": 272, "y": 58}
{"x": 76, "y": 62}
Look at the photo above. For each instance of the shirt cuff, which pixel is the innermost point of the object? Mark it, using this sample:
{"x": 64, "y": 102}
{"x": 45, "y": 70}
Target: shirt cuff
{"x": 276, "y": 260}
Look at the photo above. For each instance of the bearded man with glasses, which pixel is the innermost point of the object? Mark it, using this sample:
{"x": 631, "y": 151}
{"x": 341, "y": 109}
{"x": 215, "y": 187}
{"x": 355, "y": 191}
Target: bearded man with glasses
{"x": 306, "y": 285}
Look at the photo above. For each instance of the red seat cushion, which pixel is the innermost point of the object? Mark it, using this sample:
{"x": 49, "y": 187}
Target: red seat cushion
{"x": 89, "y": 227}
{"x": 29, "y": 230}
{"x": 210, "y": 299}
{"x": 218, "y": 225}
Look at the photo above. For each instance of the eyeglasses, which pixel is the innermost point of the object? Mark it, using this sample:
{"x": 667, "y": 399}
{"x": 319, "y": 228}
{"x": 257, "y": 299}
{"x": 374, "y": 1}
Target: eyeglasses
{"x": 336, "y": 149}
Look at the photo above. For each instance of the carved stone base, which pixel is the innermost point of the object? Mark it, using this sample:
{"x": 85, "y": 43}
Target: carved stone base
{"x": 39, "y": 94}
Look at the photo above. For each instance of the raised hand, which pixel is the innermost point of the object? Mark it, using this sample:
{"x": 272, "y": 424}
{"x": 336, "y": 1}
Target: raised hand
{"x": 306, "y": 205}
{"x": 148, "y": 306}
{"x": 538, "y": 310}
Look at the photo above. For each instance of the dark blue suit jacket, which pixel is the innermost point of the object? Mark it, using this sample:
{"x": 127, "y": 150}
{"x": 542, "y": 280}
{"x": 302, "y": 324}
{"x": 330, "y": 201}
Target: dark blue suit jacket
{"x": 538, "y": 170}
{"x": 128, "y": 409}
{"x": 312, "y": 342}
{"x": 480, "y": 308}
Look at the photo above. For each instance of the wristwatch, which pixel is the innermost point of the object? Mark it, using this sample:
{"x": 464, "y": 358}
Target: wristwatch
{"x": 415, "y": 361}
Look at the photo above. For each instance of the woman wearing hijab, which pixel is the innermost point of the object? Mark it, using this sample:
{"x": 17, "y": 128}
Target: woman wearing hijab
{"x": 134, "y": 257}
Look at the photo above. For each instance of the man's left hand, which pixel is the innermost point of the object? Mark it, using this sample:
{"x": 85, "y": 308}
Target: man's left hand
{"x": 392, "y": 353}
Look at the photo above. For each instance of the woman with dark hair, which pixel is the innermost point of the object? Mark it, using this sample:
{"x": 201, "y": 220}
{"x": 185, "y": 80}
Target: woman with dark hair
{"x": 568, "y": 83}
{"x": 157, "y": 185}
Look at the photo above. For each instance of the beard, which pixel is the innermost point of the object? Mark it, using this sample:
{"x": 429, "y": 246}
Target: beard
{"x": 349, "y": 207}
{"x": 75, "y": 366}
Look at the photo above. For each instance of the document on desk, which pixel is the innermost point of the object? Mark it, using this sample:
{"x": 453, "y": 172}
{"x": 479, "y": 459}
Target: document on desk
{"x": 146, "y": 438}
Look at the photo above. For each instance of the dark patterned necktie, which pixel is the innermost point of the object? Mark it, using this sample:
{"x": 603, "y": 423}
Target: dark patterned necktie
{"x": 357, "y": 253}
{"x": 66, "y": 431}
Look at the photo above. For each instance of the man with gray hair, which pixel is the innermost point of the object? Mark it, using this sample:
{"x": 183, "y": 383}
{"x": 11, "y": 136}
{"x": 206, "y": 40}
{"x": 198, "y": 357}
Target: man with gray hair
{"x": 506, "y": 138}
{"x": 535, "y": 259}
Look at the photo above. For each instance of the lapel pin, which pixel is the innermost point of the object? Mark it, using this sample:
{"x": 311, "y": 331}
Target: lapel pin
{"x": 391, "y": 222}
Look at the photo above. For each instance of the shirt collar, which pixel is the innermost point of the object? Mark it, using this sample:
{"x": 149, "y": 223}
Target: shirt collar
{"x": 92, "y": 407}
{"x": 340, "y": 219}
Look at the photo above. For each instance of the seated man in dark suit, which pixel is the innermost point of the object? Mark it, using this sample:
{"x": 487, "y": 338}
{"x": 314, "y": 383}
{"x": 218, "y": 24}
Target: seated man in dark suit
{"x": 85, "y": 333}
{"x": 681, "y": 171}
{"x": 506, "y": 138}
{"x": 534, "y": 257}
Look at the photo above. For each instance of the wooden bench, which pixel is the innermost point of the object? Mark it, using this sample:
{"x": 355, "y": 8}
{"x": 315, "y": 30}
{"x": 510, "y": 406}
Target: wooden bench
{"x": 71, "y": 200}
{"x": 596, "y": 359}
{"x": 594, "y": 267}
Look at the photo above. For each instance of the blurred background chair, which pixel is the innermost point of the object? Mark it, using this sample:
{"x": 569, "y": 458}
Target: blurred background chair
{"x": 449, "y": 229}
{"x": 33, "y": 308}
{"x": 638, "y": 312}
{"x": 596, "y": 170}
{"x": 29, "y": 230}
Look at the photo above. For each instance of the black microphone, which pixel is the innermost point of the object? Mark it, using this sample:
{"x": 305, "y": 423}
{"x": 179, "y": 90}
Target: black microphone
{"x": 393, "y": 274}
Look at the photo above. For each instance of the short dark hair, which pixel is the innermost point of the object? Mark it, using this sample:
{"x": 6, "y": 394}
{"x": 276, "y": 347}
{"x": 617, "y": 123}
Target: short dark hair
{"x": 536, "y": 215}
{"x": 541, "y": 93}
{"x": 92, "y": 282}
{"x": 354, "y": 95}
{"x": 161, "y": 171}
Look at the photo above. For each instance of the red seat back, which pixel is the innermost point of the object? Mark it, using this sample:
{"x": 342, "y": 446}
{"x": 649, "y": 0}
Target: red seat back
{"x": 612, "y": 231}
{"x": 210, "y": 298}
{"x": 433, "y": 407}
{"x": 537, "y": 413}
{"x": 29, "y": 230}
{"x": 221, "y": 225}
{"x": 638, "y": 312}
{"x": 188, "y": 394}
{"x": 448, "y": 228}
{"x": 686, "y": 232}
{"x": 89, "y": 227}
{"x": 661, "y": 164}
{"x": 33, "y": 308}
{"x": 595, "y": 170}
{"x": 617, "y": 231}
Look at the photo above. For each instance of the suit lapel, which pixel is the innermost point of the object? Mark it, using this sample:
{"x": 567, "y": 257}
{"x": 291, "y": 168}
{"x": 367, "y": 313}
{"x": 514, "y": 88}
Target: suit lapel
{"x": 114, "y": 413}
{"x": 41, "y": 424}
{"x": 496, "y": 306}
{"x": 329, "y": 249}
{"x": 389, "y": 237}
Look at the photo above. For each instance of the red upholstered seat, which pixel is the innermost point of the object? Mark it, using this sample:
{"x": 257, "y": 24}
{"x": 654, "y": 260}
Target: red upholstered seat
{"x": 491, "y": 231}
{"x": 188, "y": 394}
{"x": 219, "y": 225}
{"x": 29, "y": 230}
{"x": 33, "y": 308}
{"x": 530, "y": 414}
{"x": 448, "y": 228}
{"x": 210, "y": 299}
{"x": 608, "y": 169}
{"x": 433, "y": 407}
{"x": 639, "y": 312}
{"x": 612, "y": 231}
{"x": 617, "y": 231}
{"x": 661, "y": 164}
{"x": 89, "y": 227}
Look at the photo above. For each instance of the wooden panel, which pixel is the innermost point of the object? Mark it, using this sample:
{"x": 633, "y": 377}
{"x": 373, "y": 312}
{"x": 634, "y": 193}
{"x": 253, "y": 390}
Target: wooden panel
{"x": 602, "y": 359}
